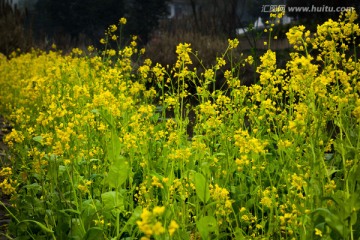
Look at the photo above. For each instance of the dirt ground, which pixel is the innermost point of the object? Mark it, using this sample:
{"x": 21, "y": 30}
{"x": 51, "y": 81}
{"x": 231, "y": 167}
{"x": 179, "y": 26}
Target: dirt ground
{"x": 4, "y": 218}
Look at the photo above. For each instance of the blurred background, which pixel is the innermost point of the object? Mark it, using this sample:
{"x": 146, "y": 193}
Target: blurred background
{"x": 159, "y": 24}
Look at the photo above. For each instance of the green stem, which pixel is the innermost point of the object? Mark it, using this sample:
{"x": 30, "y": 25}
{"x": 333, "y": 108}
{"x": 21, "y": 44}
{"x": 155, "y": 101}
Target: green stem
{"x": 346, "y": 174}
{"x": 76, "y": 200}
{"x": 11, "y": 214}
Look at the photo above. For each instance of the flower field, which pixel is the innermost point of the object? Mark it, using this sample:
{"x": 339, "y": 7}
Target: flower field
{"x": 105, "y": 145}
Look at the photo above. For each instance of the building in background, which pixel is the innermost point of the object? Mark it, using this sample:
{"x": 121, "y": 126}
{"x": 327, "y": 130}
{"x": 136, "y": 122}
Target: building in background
{"x": 217, "y": 16}
{"x": 24, "y": 4}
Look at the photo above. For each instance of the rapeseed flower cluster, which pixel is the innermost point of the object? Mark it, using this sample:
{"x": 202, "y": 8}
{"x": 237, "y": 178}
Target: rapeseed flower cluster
{"x": 248, "y": 144}
{"x": 8, "y": 185}
{"x": 223, "y": 202}
{"x": 151, "y": 225}
{"x": 183, "y": 50}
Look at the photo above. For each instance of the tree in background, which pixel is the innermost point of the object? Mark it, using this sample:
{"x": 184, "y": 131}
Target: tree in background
{"x": 144, "y": 16}
{"x": 13, "y": 36}
{"x": 76, "y": 17}
{"x": 92, "y": 17}
{"x": 218, "y": 17}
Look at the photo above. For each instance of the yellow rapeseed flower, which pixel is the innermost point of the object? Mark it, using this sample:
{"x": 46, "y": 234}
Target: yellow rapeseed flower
{"x": 158, "y": 228}
{"x": 173, "y": 226}
{"x": 122, "y": 21}
{"x": 5, "y": 171}
{"x": 233, "y": 43}
{"x": 7, "y": 186}
{"x": 113, "y": 28}
{"x": 318, "y": 232}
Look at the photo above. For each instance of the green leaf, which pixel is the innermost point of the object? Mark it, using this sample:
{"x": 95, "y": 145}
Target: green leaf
{"x": 332, "y": 220}
{"x": 113, "y": 147}
{"x": 206, "y": 225}
{"x": 118, "y": 172}
{"x": 112, "y": 200}
{"x": 202, "y": 188}
{"x": 355, "y": 174}
{"x": 69, "y": 211}
{"x": 77, "y": 231}
{"x": 353, "y": 218}
{"x": 94, "y": 233}
{"x": 331, "y": 170}
{"x": 62, "y": 169}
{"x": 38, "y": 139}
{"x": 355, "y": 201}
{"x": 42, "y": 226}
{"x": 107, "y": 117}
{"x": 89, "y": 208}
{"x": 239, "y": 235}
{"x": 34, "y": 186}
{"x": 205, "y": 167}
{"x": 95, "y": 111}
{"x": 119, "y": 167}
{"x": 135, "y": 215}
{"x": 132, "y": 220}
